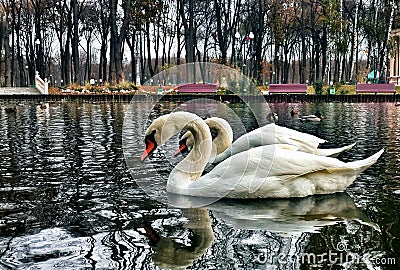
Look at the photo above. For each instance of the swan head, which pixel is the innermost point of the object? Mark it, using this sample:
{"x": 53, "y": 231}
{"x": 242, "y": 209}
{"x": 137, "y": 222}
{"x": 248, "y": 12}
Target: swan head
{"x": 166, "y": 126}
{"x": 185, "y": 143}
{"x": 221, "y": 133}
{"x": 150, "y": 143}
{"x": 156, "y": 134}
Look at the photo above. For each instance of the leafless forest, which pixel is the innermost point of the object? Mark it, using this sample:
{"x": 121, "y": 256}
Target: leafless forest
{"x": 73, "y": 41}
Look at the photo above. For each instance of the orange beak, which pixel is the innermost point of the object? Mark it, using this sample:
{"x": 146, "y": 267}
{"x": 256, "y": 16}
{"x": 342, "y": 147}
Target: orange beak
{"x": 182, "y": 147}
{"x": 149, "y": 148}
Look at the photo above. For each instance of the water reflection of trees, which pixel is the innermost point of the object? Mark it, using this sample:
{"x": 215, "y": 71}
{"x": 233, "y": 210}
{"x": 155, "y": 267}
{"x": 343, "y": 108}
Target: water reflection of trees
{"x": 65, "y": 183}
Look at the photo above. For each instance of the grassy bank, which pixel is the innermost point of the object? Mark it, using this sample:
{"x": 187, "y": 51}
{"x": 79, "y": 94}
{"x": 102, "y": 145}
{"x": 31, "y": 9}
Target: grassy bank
{"x": 127, "y": 88}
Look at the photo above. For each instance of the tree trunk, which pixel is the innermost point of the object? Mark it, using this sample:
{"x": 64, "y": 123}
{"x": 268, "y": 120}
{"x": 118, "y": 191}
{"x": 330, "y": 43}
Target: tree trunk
{"x": 220, "y": 33}
{"x": 13, "y": 22}
{"x": 178, "y": 33}
{"x": 324, "y": 53}
{"x": 104, "y": 31}
{"x": 75, "y": 42}
{"x": 148, "y": 43}
{"x": 354, "y": 43}
{"x": 22, "y": 81}
{"x": 190, "y": 48}
{"x": 386, "y": 46}
{"x": 112, "y": 76}
{"x": 303, "y": 57}
{"x": 259, "y": 37}
{"x": 116, "y": 74}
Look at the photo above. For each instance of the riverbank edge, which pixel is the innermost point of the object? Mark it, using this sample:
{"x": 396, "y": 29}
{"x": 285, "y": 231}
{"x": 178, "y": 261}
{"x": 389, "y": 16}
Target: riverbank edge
{"x": 273, "y": 98}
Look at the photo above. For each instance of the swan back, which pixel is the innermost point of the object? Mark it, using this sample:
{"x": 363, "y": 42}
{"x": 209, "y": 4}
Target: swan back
{"x": 271, "y": 134}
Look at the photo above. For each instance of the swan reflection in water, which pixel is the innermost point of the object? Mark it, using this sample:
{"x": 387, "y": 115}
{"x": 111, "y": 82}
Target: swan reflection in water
{"x": 168, "y": 253}
{"x": 288, "y": 218}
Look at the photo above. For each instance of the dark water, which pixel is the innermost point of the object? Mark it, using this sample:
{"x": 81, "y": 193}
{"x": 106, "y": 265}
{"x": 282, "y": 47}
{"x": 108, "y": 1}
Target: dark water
{"x": 68, "y": 200}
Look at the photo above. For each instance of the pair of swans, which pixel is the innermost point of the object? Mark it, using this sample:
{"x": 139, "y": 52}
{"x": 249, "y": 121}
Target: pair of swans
{"x": 264, "y": 171}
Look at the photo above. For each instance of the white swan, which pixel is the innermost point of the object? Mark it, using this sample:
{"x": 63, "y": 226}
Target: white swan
{"x": 269, "y": 171}
{"x": 274, "y": 134}
{"x": 317, "y": 117}
{"x": 269, "y": 134}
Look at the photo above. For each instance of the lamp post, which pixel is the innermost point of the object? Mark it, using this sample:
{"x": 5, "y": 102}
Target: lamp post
{"x": 246, "y": 39}
{"x": 38, "y": 56}
{"x": 251, "y": 37}
{"x": 246, "y": 49}
{"x": 26, "y": 75}
{"x": 277, "y": 67}
{"x": 247, "y": 53}
{"x": 137, "y": 68}
{"x": 236, "y": 55}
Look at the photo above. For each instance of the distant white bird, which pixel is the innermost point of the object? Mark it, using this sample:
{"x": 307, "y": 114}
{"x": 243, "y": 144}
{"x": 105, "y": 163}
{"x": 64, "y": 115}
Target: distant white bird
{"x": 317, "y": 117}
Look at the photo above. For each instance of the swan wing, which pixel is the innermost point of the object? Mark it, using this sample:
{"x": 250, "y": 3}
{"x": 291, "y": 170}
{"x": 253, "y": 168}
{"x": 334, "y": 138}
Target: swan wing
{"x": 333, "y": 152}
{"x": 258, "y": 137}
{"x": 304, "y": 140}
{"x": 271, "y": 134}
{"x": 274, "y": 171}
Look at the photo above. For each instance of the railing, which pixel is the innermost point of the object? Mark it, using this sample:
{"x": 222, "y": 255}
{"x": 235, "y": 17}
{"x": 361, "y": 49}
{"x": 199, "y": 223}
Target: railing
{"x": 41, "y": 85}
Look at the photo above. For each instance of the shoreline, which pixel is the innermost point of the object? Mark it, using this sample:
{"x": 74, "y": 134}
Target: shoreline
{"x": 273, "y": 98}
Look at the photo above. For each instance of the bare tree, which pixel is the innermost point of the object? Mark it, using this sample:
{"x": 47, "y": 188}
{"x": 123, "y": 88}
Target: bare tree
{"x": 117, "y": 39}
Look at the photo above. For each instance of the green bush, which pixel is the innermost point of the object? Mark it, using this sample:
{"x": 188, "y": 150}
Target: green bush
{"x": 318, "y": 88}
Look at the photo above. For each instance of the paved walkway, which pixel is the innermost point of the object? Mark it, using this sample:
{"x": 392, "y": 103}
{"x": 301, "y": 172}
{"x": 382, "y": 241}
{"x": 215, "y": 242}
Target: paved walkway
{"x": 19, "y": 91}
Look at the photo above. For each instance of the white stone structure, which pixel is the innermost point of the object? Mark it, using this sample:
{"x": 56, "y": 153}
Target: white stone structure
{"x": 394, "y": 76}
{"x": 41, "y": 85}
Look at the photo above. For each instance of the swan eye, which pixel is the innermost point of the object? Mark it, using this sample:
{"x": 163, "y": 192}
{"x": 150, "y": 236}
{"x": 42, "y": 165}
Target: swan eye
{"x": 150, "y": 143}
{"x": 150, "y": 138}
{"x": 182, "y": 147}
{"x": 214, "y": 133}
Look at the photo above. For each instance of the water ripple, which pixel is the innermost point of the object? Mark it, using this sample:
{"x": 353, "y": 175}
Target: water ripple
{"x": 68, "y": 200}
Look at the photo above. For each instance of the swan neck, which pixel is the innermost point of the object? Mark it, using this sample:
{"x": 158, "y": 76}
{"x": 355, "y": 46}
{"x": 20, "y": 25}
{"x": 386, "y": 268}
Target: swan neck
{"x": 192, "y": 166}
{"x": 201, "y": 152}
{"x": 224, "y": 136}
